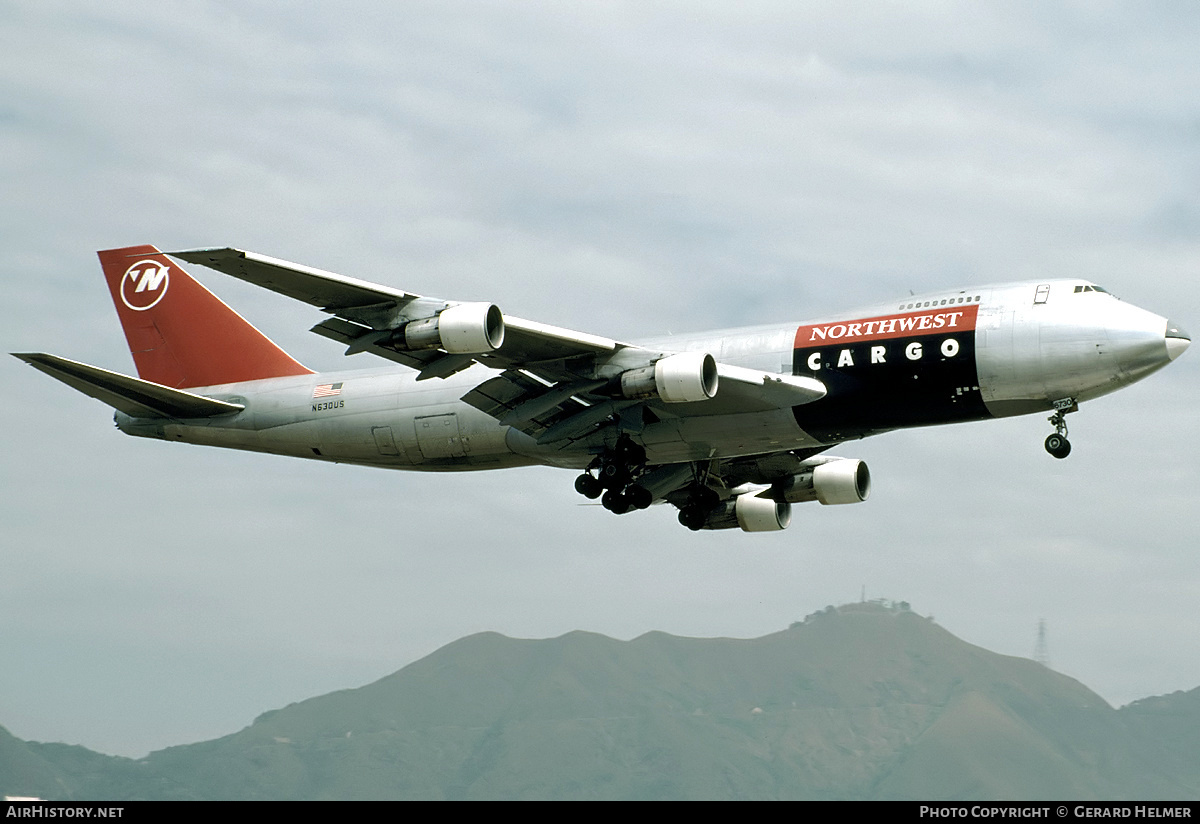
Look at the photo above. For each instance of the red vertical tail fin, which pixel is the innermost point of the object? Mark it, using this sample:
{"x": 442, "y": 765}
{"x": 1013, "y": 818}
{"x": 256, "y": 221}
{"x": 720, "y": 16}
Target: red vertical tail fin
{"x": 181, "y": 334}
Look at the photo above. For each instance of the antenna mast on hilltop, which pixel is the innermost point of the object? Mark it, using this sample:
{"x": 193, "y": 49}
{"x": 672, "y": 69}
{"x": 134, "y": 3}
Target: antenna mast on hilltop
{"x": 1041, "y": 652}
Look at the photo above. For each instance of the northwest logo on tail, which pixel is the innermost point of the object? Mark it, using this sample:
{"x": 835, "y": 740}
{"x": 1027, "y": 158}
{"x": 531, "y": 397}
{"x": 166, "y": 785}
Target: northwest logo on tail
{"x": 144, "y": 284}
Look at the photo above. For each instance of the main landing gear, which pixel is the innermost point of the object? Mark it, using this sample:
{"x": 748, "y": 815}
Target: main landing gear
{"x": 700, "y": 501}
{"x": 1057, "y": 444}
{"x": 613, "y": 483}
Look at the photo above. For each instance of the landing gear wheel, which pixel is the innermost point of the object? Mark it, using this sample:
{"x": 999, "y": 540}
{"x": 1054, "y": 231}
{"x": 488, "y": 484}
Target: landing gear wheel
{"x": 616, "y": 502}
{"x": 588, "y": 486}
{"x": 639, "y": 496}
{"x": 1058, "y": 446}
{"x": 692, "y": 517}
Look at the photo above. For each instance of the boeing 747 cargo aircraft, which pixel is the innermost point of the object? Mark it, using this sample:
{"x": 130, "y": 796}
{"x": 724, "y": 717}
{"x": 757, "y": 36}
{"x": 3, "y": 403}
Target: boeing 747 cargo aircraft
{"x": 730, "y": 427}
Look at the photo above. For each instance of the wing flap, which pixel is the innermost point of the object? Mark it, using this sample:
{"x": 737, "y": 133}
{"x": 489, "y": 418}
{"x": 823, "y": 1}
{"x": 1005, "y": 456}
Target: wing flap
{"x": 528, "y": 403}
{"x": 583, "y": 422}
{"x": 553, "y": 398}
{"x": 775, "y": 391}
{"x": 364, "y": 339}
{"x": 431, "y": 363}
{"x": 133, "y": 396}
{"x": 529, "y": 400}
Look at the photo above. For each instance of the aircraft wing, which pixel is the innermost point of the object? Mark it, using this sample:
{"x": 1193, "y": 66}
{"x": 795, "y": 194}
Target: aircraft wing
{"x": 366, "y": 314}
{"x": 555, "y": 384}
{"x": 325, "y": 290}
{"x": 567, "y": 410}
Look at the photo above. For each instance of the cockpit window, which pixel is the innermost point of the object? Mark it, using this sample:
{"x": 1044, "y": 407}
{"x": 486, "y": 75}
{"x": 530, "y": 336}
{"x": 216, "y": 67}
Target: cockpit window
{"x": 1087, "y": 287}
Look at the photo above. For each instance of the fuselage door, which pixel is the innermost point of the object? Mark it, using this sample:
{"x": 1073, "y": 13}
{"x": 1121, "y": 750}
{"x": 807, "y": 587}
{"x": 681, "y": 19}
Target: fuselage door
{"x": 438, "y": 436}
{"x": 1042, "y": 293}
{"x": 384, "y": 441}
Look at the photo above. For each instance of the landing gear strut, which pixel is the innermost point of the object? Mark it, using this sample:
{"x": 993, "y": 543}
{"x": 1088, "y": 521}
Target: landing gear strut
{"x": 616, "y": 471}
{"x": 1057, "y": 444}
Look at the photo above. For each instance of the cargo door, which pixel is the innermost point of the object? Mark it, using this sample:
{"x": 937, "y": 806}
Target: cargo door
{"x": 438, "y": 436}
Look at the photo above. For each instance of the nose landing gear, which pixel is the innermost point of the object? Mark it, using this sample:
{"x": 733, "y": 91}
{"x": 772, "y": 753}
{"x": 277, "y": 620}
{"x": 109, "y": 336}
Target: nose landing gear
{"x": 1057, "y": 444}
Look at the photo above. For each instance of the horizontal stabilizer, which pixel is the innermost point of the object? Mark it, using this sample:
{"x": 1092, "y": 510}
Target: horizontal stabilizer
{"x": 133, "y": 396}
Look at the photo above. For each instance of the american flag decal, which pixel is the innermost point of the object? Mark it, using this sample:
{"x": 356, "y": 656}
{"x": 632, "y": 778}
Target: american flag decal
{"x": 327, "y": 390}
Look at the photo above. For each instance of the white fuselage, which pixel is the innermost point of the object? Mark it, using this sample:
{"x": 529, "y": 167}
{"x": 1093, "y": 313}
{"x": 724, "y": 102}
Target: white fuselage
{"x": 939, "y": 358}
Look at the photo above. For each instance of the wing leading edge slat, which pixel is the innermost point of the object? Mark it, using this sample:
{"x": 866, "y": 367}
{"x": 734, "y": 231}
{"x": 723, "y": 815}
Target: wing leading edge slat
{"x": 325, "y": 290}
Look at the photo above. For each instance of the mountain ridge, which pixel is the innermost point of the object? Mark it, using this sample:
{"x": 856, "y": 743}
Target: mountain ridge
{"x": 861, "y": 701}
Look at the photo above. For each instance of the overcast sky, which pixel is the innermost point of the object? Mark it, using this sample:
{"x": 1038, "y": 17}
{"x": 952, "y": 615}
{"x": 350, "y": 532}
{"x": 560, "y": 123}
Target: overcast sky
{"x": 619, "y": 168}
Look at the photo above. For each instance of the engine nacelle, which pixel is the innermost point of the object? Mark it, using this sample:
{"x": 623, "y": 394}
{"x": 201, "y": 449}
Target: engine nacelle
{"x": 750, "y": 513}
{"x": 462, "y": 329}
{"x": 832, "y": 481}
{"x": 681, "y": 378}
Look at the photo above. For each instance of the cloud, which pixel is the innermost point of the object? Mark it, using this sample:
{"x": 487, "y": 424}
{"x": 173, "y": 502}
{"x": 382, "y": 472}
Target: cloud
{"x": 616, "y": 168}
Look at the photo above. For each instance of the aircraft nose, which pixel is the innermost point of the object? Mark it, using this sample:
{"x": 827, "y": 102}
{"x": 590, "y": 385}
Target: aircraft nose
{"x": 1177, "y": 340}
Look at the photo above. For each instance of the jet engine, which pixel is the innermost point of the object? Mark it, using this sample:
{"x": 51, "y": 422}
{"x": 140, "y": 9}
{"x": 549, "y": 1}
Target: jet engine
{"x": 462, "y": 329}
{"x": 687, "y": 376}
{"x": 828, "y": 480}
{"x": 750, "y": 513}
